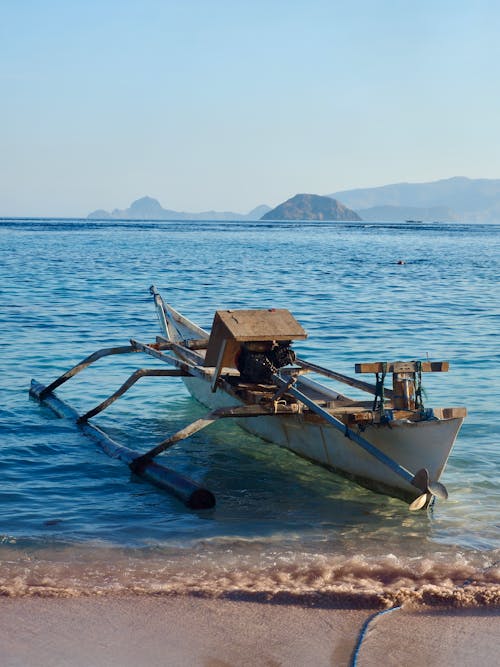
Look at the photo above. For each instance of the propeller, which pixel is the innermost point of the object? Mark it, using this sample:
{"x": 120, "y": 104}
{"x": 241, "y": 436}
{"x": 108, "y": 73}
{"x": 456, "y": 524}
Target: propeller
{"x": 430, "y": 489}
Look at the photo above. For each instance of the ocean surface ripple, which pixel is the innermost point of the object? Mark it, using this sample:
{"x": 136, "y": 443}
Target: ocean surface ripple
{"x": 74, "y": 522}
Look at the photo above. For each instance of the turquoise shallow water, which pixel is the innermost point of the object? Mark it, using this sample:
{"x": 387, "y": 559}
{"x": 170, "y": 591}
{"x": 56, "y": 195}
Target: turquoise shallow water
{"x": 74, "y": 521}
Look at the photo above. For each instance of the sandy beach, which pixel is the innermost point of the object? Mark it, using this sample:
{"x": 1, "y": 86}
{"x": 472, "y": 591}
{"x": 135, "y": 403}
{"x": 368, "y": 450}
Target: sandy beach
{"x": 153, "y": 631}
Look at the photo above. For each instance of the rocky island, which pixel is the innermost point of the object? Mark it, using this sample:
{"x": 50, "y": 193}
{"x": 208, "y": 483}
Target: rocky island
{"x": 311, "y": 207}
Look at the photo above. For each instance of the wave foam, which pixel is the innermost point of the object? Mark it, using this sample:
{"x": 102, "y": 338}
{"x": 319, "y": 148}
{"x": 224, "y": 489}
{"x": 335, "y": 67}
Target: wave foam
{"x": 316, "y": 580}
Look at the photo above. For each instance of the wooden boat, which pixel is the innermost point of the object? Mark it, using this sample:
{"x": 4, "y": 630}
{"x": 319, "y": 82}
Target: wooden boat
{"x": 245, "y": 369}
{"x": 395, "y": 422}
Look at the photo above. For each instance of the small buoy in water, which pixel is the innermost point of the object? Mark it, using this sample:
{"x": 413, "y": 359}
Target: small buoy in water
{"x": 401, "y": 261}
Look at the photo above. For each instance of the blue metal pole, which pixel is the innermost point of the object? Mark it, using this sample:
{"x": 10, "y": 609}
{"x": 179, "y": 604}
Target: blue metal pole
{"x": 352, "y": 435}
{"x": 192, "y": 494}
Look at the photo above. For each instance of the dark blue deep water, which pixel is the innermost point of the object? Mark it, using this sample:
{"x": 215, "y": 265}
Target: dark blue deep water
{"x": 74, "y": 521}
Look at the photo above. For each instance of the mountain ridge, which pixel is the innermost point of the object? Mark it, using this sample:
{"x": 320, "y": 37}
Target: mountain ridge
{"x": 464, "y": 199}
{"x": 148, "y": 208}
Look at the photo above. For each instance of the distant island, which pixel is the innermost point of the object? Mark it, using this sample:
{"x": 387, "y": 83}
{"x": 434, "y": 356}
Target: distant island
{"x": 456, "y": 199}
{"x": 147, "y": 208}
{"x": 311, "y": 207}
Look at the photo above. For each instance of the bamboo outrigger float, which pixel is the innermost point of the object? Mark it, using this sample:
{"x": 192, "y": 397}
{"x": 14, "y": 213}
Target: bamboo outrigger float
{"x": 245, "y": 369}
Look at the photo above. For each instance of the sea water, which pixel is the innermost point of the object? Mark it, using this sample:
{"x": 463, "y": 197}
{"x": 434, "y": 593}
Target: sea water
{"x": 75, "y": 522}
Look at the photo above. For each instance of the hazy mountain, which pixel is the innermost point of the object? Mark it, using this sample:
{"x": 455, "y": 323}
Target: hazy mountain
{"x": 148, "y": 208}
{"x": 459, "y": 198}
{"x": 257, "y": 212}
{"x": 311, "y": 207}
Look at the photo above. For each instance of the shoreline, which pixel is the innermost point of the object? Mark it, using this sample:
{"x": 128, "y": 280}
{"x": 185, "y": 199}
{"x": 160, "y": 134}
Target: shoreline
{"x": 426, "y": 598}
{"x": 151, "y": 630}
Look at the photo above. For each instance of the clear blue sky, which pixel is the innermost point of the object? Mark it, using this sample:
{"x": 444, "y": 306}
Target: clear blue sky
{"x": 215, "y": 104}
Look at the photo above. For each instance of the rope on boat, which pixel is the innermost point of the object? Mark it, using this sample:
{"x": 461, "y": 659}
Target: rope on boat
{"x": 378, "y": 401}
{"x": 419, "y": 389}
{"x": 364, "y": 630}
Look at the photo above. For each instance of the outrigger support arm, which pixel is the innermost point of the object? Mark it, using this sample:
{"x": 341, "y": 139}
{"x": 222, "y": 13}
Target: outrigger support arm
{"x": 191, "y": 493}
{"x": 420, "y": 480}
{"x": 125, "y": 349}
{"x": 137, "y": 375}
{"x": 140, "y": 462}
{"x": 238, "y": 411}
{"x": 135, "y": 346}
{"x": 154, "y": 351}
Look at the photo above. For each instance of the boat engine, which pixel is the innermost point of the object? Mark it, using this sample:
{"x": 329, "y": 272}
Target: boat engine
{"x": 258, "y": 361}
{"x": 256, "y": 343}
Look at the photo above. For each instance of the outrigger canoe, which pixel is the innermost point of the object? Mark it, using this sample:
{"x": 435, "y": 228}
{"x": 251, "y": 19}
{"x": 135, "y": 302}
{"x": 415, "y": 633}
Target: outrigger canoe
{"x": 245, "y": 369}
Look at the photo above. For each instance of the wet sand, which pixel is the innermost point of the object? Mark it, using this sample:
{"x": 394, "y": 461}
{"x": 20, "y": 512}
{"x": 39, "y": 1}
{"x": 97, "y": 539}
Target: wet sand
{"x": 188, "y": 631}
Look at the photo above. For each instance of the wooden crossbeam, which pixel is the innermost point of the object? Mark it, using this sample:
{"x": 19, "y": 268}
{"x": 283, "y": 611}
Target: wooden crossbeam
{"x": 403, "y": 367}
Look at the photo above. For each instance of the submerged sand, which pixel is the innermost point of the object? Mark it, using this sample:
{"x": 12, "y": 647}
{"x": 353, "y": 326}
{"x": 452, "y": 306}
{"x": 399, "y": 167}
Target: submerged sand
{"x": 149, "y": 631}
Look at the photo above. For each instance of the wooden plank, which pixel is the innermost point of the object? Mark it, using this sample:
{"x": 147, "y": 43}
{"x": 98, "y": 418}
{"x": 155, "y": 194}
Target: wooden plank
{"x": 450, "y": 413}
{"x": 402, "y": 367}
{"x": 257, "y": 325}
{"x": 196, "y": 343}
{"x": 239, "y": 326}
{"x": 219, "y": 365}
{"x": 231, "y": 349}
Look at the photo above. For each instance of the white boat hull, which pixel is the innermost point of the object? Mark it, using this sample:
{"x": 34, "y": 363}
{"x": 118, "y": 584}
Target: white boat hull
{"x": 413, "y": 444}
